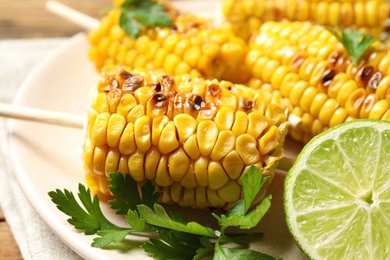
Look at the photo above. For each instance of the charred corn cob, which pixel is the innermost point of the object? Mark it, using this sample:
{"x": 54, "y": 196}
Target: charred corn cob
{"x": 246, "y": 16}
{"x": 192, "y": 46}
{"x": 193, "y": 138}
{"x": 306, "y": 64}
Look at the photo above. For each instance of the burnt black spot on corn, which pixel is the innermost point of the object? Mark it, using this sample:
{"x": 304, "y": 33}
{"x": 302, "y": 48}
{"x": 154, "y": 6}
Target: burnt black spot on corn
{"x": 193, "y": 138}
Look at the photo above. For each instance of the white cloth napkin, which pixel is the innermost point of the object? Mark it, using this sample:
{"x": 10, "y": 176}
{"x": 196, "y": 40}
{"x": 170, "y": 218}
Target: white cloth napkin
{"x": 34, "y": 238}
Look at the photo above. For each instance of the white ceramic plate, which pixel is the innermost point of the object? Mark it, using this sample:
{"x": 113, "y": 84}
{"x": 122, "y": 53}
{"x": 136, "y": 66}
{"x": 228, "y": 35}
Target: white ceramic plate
{"x": 47, "y": 157}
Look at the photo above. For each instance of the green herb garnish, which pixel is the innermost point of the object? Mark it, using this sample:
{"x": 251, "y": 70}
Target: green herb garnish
{"x": 176, "y": 237}
{"x": 136, "y": 13}
{"x": 354, "y": 41}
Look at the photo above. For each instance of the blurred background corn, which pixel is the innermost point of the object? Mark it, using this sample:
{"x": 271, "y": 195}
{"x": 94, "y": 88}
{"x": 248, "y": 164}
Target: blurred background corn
{"x": 307, "y": 65}
{"x": 193, "y": 138}
{"x": 192, "y": 46}
{"x": 246, "y": 16}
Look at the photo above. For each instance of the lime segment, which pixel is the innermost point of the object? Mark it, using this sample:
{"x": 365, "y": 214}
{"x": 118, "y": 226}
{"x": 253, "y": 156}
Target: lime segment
{"x": 337, "y": 194}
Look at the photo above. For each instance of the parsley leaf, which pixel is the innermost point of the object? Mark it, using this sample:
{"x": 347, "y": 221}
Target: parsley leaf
{"x": 354, "y": 41}
{"x": 159, "y": 217}
{"x": 173, "y": 245}
{"x": 90, "y": 220}
{"x": 136, "y": 13}
{"x": 225, "y": 253}
{"x": 126, "y": 192}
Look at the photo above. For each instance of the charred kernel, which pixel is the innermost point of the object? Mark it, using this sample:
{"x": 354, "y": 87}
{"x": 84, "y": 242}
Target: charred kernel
{"x": 246, "y": 103}
{"x": 157, "y": 87}
{"x": 374, "y": 81}
{"x": 157, "y": 105}
{"x": 124, "y": 74}
{"x": 213, "y": 90}
{"x": 167, "y": 83}
{"x": 133, "y": 83}
{"x": 194, "y": 102}
{"x": 327, "y": 77}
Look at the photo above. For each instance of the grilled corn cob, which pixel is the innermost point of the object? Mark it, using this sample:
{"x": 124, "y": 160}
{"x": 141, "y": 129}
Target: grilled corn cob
{"x": 192, "y": 138}
{"x": 308, "y": 65}
{"x": 246, "y": 16}
{"x": 192, "y": 46}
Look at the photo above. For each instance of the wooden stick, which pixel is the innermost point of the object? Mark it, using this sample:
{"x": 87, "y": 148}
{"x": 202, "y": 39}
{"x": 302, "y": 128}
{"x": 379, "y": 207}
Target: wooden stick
{"x": 72, "y": 15}
{"x": 42, "y": 116}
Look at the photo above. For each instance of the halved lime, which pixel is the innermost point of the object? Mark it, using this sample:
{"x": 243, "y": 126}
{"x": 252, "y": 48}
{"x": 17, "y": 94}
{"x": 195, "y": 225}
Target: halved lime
{"x": 337, "y": 194}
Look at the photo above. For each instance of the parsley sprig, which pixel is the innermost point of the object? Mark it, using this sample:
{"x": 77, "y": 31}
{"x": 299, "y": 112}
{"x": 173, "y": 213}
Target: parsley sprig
{"x": 176, "y": 237}
{"x": 354, "y": 41}
{"x": 136, "y": 13}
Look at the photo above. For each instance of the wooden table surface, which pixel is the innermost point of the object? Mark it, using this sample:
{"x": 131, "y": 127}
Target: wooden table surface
{"x": 30, "y": 19}
{"x": 21, "y": 19}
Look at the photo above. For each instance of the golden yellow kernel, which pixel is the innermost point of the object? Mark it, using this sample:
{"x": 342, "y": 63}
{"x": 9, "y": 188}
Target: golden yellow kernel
{"x": 122, "y": 164}
{"x": 339, "y": 116}
{"x": 270, "y": 140}
{"x": 127, "y": 142}
{"x": 240, "y": 123}
{"x": 185, "y": 125}
{"x": 176, "y": 192}
{"x": 200, "y": 197}
{"x": 317, "y": 127}
{"x": 136, "y": 165}
{"x": 126, "y": 103}
{"x": 307, "y": 97}
{"x": 168, "y": 139}
{"x": 191, "y": 147}
{"x": 189, "y": 179}
{"x": 230, "y": 192}
{"x": 88, "y": 155}
{"x": 216, "y": 175}
{"x": 224, "y": 144}
{"x": 288, "y": 83}
{"x": 165, "y": 196}
{"x": 379, "y": 109}
{"x": 383, "y": 87}
{"x": 142, "y": 133}
{"x": 327, "y": 111}
{"x": 201, "y": 171}
{"x": 100, "y": 103}
{"x": 207, "y": 133}
{"x": 170, "y": 63}
{"x": 116, "y": 124}
{"x": 297, "y": 92}
{"x": 257, "y": 122}
{"x": 112, "y": 160}
{"x": 158, "y": 125}
{"x": 192, "y": 55}
{"x": 178, "y": 164}
{"x": 233, "y": 164}
{"x": 224, "y": 118}
{"x": 246, "y": 147}
{"x": 214, "y": 199}
{"x": 99, "y": 132}
{"x": 152, "y": 158}
{"x": 317, "y": 103}
{"x": 135, "y": 113}
{"x": 99, "y": 159}
{"x": 159, "y": 58}
{"x": 163, "y": 178}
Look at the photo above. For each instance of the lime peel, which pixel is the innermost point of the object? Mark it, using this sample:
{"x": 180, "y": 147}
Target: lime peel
{"x": 336, "y": 195}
